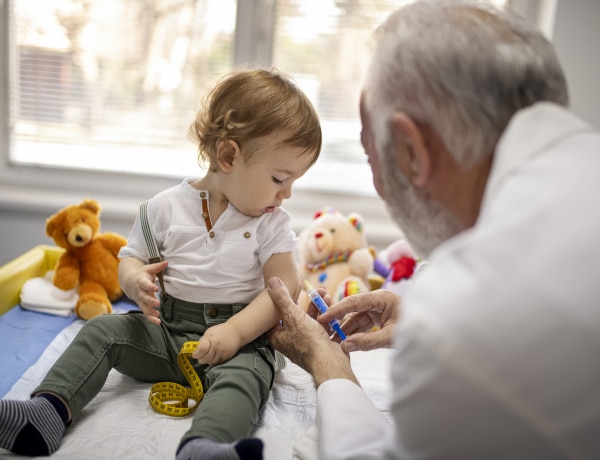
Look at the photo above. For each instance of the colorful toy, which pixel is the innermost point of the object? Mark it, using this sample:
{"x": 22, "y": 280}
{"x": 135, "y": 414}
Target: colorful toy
{"x": 396, "y": 264}
{"x": 333, "y": 254}
{"x": 90, "y": 260}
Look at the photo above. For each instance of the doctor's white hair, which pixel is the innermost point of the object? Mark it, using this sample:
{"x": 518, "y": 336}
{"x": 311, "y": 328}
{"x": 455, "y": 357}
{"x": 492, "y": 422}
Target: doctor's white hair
{"x": 463, "y": 70}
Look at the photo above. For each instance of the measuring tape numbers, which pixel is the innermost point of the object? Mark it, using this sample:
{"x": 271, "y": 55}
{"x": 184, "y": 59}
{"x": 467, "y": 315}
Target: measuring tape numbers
{"x": 170, "y": 398}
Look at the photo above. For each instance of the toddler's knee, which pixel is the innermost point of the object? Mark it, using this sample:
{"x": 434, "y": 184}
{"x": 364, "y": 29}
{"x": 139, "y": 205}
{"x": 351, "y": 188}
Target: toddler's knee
{"x": 103, "y": 326}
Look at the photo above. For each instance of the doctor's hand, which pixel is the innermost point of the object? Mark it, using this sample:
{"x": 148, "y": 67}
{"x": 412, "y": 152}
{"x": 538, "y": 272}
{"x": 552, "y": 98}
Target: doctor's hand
{"x": 361, "y": 313}
{"x": 304, "y": 341}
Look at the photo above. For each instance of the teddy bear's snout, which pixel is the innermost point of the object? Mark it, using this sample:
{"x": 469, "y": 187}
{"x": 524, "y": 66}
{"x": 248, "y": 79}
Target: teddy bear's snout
{"x": 80, "y": 235}
{"x": 321, "y": 242}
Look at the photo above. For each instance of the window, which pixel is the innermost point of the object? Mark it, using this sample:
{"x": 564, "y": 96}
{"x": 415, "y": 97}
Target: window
{"x": 325, "y": 46}
{"x": 112, "y": 85}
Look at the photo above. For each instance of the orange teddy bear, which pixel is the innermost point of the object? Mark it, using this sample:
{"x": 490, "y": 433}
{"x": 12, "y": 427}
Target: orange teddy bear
{"x": 90, "y": 261}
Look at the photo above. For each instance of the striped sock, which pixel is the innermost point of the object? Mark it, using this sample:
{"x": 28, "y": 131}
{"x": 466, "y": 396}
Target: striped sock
{"x": 205, "y": 449}
{"x": 33, "y": 427}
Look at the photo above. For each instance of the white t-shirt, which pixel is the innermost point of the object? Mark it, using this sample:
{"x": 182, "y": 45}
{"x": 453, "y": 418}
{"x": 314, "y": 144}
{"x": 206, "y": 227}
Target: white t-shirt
{"x": 498, "y": 348}
{"x": 224, "y": 268}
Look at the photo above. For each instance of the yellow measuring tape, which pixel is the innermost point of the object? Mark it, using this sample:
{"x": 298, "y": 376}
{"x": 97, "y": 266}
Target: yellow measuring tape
{"x": 170, "y": 398}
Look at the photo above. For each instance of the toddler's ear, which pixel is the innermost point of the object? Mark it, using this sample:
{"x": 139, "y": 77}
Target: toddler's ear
{"x": 227, "y": 151}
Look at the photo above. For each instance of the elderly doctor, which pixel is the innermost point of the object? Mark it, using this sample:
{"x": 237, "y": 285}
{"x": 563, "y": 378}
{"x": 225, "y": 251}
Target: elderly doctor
{"x": 495, "y": 182}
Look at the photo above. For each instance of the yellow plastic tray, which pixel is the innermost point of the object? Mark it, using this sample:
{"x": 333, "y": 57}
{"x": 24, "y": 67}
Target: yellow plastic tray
{"x": 35, "y": 262}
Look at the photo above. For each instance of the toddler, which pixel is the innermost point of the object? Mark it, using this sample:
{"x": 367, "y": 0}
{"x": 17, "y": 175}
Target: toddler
{"x": 220, "y": 237}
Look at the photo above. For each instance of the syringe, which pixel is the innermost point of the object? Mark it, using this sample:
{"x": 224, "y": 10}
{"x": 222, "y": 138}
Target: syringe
{"x": 318, "y": 302}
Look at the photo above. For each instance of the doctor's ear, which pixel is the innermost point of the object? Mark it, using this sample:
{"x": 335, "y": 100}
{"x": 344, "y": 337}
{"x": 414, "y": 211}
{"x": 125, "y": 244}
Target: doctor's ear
{"x": 227, "y": 152}
{"x": 410, "y": 149}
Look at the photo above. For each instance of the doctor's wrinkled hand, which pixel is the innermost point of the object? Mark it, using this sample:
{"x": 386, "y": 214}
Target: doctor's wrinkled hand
{"x": 360, "y": 314}
{"x": 304, "y": 340}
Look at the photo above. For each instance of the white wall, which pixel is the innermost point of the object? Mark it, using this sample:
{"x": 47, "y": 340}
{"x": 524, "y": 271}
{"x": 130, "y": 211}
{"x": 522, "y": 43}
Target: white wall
{"x": 576, "y": 36}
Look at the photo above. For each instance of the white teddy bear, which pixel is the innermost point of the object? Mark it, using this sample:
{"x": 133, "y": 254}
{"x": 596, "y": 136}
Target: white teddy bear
{"x": 333, "y": 254}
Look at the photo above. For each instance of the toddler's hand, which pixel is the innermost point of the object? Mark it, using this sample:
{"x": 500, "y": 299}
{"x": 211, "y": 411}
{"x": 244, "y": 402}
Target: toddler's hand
{"x": 218, "y": 344}
{"x": 143, "y": 289}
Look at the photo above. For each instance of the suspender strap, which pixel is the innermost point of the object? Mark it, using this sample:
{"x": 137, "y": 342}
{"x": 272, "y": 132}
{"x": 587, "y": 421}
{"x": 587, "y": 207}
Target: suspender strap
{"x": 151, "y": 244}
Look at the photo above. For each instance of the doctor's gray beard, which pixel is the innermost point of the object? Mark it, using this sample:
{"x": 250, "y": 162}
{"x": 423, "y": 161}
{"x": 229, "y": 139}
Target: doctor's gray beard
{"x": 425, "y": 223}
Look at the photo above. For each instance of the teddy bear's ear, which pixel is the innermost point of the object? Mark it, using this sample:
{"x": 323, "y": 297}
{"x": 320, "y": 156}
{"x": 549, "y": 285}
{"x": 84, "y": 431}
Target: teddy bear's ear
{"x": 357, "y": 221}
{"x": 325, "y": 210}
{"x": 50, "y": 221}
{"x": 91, "y": 205}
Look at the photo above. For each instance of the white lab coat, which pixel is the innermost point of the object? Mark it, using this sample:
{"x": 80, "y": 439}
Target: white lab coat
{"x": 498, "y": 349}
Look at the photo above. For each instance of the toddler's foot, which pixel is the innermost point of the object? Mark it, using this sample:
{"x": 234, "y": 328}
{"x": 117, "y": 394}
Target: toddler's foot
{"x": 33, "y": 427}
{"x": 205, "y": 449}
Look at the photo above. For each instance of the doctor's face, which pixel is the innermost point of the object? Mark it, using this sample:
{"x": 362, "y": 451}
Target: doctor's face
{"x": 424, "y": 222}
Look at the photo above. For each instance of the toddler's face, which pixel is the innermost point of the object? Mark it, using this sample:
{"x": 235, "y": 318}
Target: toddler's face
{"x": 261, "y": 182}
